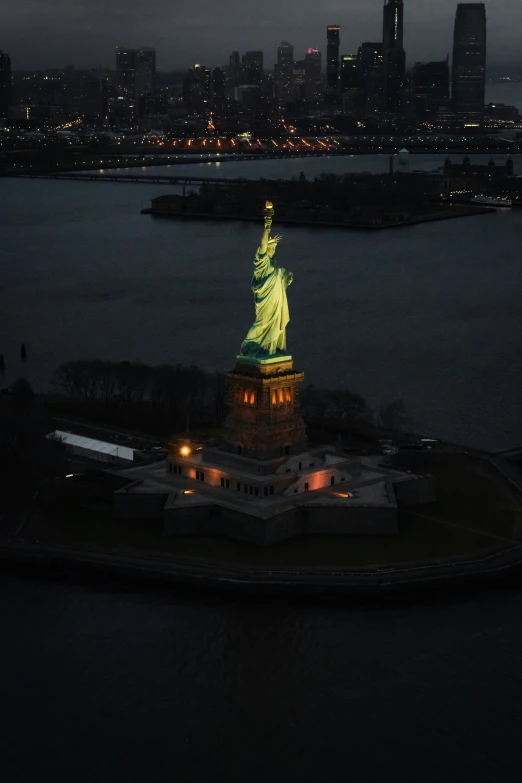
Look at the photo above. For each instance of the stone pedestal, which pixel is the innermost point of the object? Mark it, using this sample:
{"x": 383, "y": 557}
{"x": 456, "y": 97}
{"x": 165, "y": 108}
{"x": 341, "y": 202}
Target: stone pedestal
{"x": 263, "y": 419}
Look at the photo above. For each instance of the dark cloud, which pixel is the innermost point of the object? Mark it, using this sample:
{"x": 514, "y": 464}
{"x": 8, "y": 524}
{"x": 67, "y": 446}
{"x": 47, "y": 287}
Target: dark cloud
{"x": 40, "y": 33}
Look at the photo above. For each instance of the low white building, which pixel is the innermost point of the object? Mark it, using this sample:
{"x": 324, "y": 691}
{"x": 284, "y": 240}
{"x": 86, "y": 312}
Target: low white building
{"x": 94, "y": 449}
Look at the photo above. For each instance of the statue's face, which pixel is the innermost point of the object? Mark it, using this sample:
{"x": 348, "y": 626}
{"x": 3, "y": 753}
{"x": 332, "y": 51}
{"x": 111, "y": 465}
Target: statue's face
{"x": 271, "y": 250}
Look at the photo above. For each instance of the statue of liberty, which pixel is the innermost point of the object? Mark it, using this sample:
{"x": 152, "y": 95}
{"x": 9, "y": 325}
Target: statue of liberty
{"x": 267, "y": 337}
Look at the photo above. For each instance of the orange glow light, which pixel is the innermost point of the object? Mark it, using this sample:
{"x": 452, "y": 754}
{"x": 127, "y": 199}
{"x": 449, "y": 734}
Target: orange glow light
{"x": 184, "y": 451}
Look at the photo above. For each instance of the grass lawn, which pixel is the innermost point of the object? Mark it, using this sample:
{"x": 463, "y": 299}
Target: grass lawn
{"x": 469, "y": 490}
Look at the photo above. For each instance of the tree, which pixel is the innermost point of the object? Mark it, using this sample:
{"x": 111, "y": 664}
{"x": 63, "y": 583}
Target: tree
{"x": 393, "y": 416}
{"x": 22, "y": 390}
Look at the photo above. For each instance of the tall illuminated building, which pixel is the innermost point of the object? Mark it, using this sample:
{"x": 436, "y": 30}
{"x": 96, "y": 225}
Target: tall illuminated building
{"x": 197, "y": 90}
{"x": 332, "y": 57}
{"x": 393, "y": 25}
{"x": 349, "y": 72}
{"x": 126, "y": 72}
{"x": 5, "y": 84}
{"x": 136, "y": 70}
{"x": 469, "y": 60}
{"x": 394, "y": 56}
{"x": 313, "y": 75}
{"x": 284, "y": 73}
{"x": 369, "y": 64}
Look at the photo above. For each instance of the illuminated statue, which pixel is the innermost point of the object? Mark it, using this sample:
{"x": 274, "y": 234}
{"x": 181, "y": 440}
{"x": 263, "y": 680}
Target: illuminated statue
{"x": 267, "y": 336}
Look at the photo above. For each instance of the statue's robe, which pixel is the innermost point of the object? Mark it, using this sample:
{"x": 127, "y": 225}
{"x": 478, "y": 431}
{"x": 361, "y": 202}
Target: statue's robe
{"x": 267, "y": 336}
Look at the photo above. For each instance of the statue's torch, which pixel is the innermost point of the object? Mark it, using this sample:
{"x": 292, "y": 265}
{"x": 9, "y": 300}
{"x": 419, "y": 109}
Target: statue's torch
{"x": 268, "y": 213}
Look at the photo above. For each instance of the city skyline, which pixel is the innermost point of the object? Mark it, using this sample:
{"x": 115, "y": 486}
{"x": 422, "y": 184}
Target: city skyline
{"x": 86, "y": 34}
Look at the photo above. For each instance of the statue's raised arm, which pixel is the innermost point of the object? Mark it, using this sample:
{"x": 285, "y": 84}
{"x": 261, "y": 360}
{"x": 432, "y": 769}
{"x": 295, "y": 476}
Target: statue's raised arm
{"x": 267, "y": 337}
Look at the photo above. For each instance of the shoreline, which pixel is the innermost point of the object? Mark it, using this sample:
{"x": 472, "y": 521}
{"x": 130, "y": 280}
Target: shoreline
{"x": 464, "y": 212}
{"x": 213, "y": 575}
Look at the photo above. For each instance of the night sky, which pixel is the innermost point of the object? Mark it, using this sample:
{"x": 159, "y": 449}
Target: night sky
{"x": 55, "y": 33}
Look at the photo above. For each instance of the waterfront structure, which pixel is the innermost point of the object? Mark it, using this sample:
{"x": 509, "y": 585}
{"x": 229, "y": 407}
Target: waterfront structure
{"x": 394, "y": 56}
{"x": 332, "y": 58}
{"x": 469, "y": 61}
{"x": 261, "y": 482}
{"x": 136, "y": 71}
{"x": 467, "y": 179}
{"x": 5, "y": 84}
{"x": 284, "y": 73}
{"x": 102, "y": 451}
{"x": 313, "y": 75}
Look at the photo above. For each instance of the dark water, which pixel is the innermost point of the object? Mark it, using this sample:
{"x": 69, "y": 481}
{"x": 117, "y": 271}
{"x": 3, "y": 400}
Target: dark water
{"x": 509, "y": 93}
{"x": 101, "y": 684}
{"x": 430, "y": 314}
{"x": 313, "y": 167}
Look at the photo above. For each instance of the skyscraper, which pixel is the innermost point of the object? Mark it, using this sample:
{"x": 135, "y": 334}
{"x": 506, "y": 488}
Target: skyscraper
{"x": 145, "y": 71}
{"x": 299, "y": 77}
{"x": 252, "y": 67}
{"x": 284, "y": 73}
{"x": 126, "y": 72}
{"x": 430, "y": 86}
{"x": 349, "y": 72}
{"x": 394, "y": 56}
{"x": 332, "y": 57}
{"x": 136, "y": 69}
{"x": 469, "y": 59}
{"x": 5, "y": 84}
{"x": 219, "y": 85}
{"x": 369, "y": 62}
{"x": 313, "y": 75}
{"x": 234, "y": 71}
{"x": 393, "y": 25}
{"x": 197, "y": 90}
